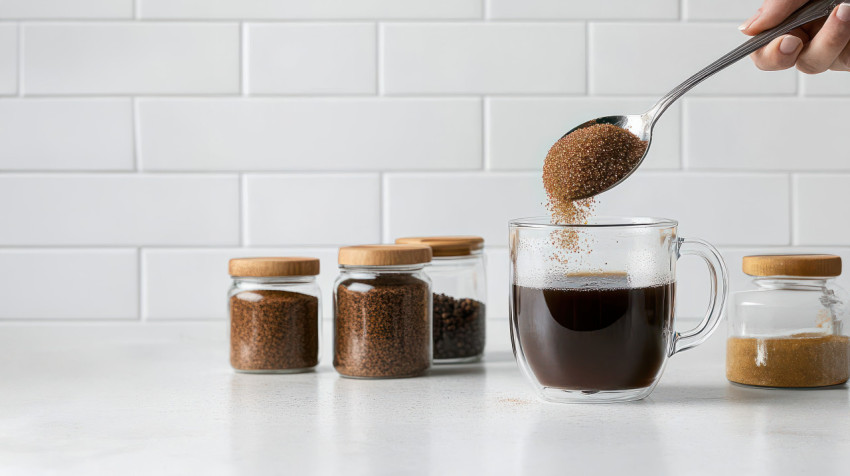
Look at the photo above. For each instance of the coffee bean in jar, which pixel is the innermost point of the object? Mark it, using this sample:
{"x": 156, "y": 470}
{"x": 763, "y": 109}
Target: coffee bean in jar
{"x": 275, "y": 315}
{"x": 382, "y": 312}
{"x": 459, "y": 283}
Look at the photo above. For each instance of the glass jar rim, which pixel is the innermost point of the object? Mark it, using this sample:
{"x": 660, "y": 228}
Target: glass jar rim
{"x": 471, "y": 256}
{"x": 544, "y": 222}
{"x": 384, "y": 267}
{"x": 268, "y": 279}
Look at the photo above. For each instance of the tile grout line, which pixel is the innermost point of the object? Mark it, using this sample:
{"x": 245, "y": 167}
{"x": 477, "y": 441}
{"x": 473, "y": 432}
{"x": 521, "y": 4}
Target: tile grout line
{"x": 384, "y": 205}
{"x": 19, "y": 61}
{"x": 349, "y": 20}
{"x": 379, "y": 60}
{"x": 442, "y": 96}
{"x": 140, "y": 262}
{"x": 137, "y": 134}
{"x": 243, "y": 60}
{"x": 485, "y": 133}
{"x": 588, "y": 77}
{"x": 792, "y": 214}
{"x": 243, "y": 204}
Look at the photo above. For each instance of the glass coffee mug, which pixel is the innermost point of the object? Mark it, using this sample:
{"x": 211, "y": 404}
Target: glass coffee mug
{"x": 592, "y": 305}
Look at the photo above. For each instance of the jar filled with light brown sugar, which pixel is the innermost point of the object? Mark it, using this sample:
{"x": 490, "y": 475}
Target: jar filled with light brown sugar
{"x": 789, "y": 331}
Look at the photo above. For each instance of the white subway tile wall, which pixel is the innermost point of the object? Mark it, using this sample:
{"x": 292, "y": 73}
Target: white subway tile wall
{"x": 8, "y": 59}
{"x": 311, "y": 58}
{"x": 309, "y": 134}
{"x": 321, "y": 209}
{"x": 480, "y": 58}
{"x": 69, "y": 284}
{"x": 143, "y": 143}
{"x": 130, "y": 58}
{"x": 831, "y": 83}
{"x": 66, "y": 9}
{"x": 732, "y": 10}
{"x": 119, "y": 210}
{"x": 652, "y": 58}
{"x": 576, "y": 10}
{"x": 310, "y": 9}
{"x": 767, "y": 134}
{"x": 66, "y": 134}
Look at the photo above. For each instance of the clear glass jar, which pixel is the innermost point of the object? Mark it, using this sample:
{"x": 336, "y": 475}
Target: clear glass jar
{"x": 459, "y": 283}
{"x": 789, "y": 331}
{"x": 275, "y": 315}
{"x": 382, "y": 312}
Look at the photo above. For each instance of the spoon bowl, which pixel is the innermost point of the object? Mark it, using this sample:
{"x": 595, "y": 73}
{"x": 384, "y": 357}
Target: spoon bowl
{"x": 637, "y": 124}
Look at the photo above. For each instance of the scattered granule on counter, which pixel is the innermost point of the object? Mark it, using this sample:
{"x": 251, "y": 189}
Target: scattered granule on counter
{"x": 514, "y": 402}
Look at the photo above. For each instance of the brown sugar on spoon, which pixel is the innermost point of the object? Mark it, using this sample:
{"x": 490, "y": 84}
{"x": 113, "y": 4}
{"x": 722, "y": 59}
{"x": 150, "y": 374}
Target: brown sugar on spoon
{"x": 589, "y": 161}
{"x": 581, "y": 165}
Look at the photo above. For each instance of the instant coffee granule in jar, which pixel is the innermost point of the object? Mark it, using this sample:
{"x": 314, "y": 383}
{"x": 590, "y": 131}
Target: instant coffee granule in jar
{"x": 460, "y": 286}
{"x": 382, "y": 312}
{"x": 275, "y": 314}
{"x": 789, "y": 332}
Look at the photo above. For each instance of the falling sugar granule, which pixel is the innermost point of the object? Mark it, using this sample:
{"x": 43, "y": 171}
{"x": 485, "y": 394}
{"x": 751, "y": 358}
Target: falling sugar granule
{"x": 582, "y": 165}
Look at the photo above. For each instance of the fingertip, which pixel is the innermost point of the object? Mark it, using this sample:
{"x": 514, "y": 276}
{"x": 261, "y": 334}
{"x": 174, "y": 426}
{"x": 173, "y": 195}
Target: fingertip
{"x": 789, "y": 44}
{"x": 773, "y": 58}
{"x": 745, "y": 27}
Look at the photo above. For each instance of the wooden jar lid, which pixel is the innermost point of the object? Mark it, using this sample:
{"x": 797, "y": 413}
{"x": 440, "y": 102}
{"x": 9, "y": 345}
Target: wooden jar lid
{"x": 793, "y": 265}
{"x": 384, "y": 255}
{"x": 442, "y": 246}
{"x": 271, "y": 267}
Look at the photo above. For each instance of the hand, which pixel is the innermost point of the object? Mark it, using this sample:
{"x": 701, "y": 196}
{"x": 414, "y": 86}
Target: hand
{"x": 814, "y": 48}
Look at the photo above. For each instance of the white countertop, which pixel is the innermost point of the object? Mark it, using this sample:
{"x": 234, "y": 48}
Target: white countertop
{"x": 160, "y": 399}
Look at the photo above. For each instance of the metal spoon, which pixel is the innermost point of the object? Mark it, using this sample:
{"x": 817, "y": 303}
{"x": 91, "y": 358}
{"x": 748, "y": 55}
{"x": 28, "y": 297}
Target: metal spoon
{"x": 641, "y": 125}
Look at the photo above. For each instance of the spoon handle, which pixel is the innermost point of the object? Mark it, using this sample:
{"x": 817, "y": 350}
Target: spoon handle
{"x": 805, "y": 14}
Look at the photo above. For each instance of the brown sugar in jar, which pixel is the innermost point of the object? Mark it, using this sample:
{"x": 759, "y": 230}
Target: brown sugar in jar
{"x": 801, "y": 360}
{"x": 789, "y": 331}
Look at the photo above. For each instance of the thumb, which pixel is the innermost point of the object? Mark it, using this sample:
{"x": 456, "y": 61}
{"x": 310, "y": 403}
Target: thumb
{"x": 771, "y": 13}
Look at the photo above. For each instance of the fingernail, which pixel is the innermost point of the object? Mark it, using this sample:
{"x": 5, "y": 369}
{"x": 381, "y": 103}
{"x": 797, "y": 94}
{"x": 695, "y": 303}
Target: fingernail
{"x": 749, "y": 22}
{"x": 789, "y": 44}
{"x": 843, "y": 12}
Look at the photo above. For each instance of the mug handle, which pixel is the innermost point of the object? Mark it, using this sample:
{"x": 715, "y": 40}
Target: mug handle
{"x": 719, "y": 290}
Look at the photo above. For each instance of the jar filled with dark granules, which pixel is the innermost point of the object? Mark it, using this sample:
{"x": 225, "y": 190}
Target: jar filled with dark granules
{"x": 459, "y": 283}
{"x": 382, "y": 312}
{"x": 275, "y": 315}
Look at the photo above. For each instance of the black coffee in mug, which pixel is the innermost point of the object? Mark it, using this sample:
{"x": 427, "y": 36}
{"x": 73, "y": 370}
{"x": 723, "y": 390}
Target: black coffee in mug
{"x": 595, "y": 325}
{"x": 595, "y": 334}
